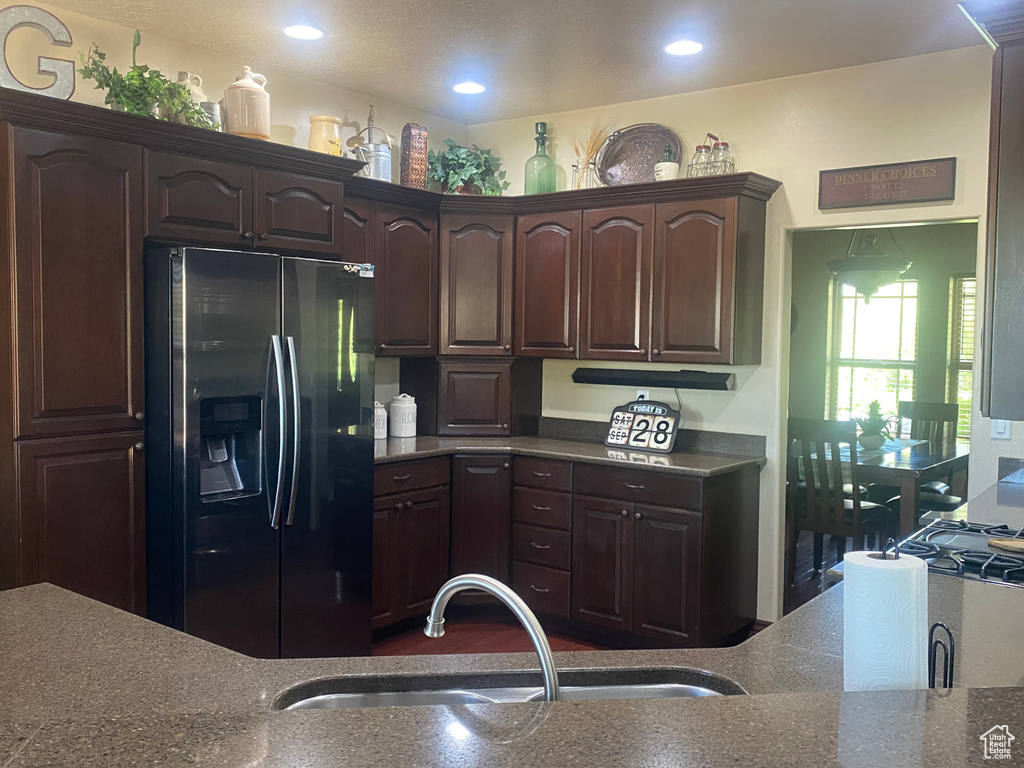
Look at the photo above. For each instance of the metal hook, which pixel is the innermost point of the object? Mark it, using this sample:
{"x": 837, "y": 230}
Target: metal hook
{"x": 948, "y": 657}
{"x": 891, "y": 543}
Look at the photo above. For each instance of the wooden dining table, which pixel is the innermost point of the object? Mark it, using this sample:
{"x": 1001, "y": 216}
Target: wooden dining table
{"x": 908, "y": 468}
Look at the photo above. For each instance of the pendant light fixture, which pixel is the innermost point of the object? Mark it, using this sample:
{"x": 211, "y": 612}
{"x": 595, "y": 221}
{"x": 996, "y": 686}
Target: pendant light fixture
{"x": 873, "y": 259}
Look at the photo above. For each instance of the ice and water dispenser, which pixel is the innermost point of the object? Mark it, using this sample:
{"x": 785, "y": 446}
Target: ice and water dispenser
{"x": 230, "y": 447}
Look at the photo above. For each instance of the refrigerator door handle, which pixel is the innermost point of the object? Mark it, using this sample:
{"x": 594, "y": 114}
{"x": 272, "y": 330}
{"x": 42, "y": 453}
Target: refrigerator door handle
{"x": 296, "y": 430}
{"x": 275, "y": 510}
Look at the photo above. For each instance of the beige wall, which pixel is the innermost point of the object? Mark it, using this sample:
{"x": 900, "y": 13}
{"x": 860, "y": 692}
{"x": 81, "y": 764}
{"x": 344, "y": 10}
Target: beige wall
{"x": 292, "y": 99}
{"x": 789, "y": 129}
{"x": 938, "y": 252}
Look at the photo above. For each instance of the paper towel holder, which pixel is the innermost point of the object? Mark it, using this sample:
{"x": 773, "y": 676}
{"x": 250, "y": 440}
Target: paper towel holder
{"x": 883, "y": 554}
{"x": 947, "y": 655}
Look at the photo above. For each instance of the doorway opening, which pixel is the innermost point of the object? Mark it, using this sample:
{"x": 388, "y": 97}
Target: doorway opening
{"x": 911, "y": 340}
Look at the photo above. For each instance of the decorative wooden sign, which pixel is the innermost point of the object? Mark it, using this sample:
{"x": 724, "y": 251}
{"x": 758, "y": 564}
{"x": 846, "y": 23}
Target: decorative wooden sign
{"x": 62, "y": 70}
{"x": 925, "y": 181}
{"x": 643, "y": 425}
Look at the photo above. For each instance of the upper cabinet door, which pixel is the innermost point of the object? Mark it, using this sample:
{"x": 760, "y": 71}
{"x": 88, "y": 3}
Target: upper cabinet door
{"x": 694, "y": 268}
{"x": 298, "y": 213}
{"x": 547, "y": 284}
{"x": 78, "y": 284}
{"x": 198, "y": 200}
{"x": 406, "y": 275}
{"x": 357, "y": 232}
{"x": 615, "y": 316}
{"x": 476, "y": 285}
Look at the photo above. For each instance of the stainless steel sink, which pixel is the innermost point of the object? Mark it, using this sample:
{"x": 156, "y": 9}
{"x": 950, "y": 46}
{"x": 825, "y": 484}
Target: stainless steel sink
{"x": 508, "y": 688}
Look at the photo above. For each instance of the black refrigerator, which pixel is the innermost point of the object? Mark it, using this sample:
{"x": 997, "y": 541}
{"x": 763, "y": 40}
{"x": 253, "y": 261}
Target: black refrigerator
{"x": 259, "y": 445}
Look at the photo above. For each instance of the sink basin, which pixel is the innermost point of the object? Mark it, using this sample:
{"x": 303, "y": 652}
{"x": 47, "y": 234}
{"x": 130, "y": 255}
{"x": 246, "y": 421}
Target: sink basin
{"x": 505, "y": 688}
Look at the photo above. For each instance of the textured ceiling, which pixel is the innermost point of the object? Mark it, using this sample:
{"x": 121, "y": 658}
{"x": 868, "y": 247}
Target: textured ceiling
{"x": 542, "y": 56}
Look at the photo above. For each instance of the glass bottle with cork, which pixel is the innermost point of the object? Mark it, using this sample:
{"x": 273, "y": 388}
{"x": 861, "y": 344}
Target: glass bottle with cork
{"x": 540, "y": 169}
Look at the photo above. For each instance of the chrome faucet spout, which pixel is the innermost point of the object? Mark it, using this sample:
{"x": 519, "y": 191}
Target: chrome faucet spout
{"x": 435, "y": 621}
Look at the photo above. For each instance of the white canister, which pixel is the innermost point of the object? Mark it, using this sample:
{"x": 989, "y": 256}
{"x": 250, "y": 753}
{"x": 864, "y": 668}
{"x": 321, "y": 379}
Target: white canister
{"x": 666, "y": 170}
{"x": 325, "y": 134}
{"x": 246, "y": 106}
{"x": 380, "y": 422}
{"x": 403, "y": 416}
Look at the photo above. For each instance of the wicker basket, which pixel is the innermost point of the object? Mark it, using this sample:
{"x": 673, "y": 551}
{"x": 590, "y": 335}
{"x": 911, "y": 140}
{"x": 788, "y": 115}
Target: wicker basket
{"x": 414, "y": 156}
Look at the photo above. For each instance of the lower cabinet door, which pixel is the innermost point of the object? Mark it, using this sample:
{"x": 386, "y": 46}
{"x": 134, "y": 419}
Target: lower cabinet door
{"x": 666, "y": 574}
{"x": 602, "y": 562}
{"x": 82, "y": 516}
{"x": 482, "y": 515}
{"x": 421, "y": 548}
{"x": 384, "y": 599}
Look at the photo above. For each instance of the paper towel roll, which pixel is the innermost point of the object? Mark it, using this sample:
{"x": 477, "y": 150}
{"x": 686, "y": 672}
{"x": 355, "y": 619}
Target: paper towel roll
{"x": 885, "y": 622}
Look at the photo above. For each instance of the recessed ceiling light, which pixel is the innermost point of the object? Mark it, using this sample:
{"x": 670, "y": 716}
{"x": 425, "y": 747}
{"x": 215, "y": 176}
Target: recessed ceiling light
{"x": 684, "y": 48}
{"x": 303, "y": 32}
{"x": 468, "y": 87}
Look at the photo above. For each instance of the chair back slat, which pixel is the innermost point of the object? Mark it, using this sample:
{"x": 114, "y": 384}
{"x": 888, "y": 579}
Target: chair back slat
{"x": 934, "y": 422}
{"x": 816, "y": 445}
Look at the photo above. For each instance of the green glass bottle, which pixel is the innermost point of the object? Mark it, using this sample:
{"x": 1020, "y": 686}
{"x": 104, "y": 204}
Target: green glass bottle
{"x": 540, "y": 169}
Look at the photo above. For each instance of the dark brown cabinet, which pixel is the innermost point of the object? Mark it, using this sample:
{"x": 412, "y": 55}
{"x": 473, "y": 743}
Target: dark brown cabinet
{"x": 666, "y": 573}
{"x": 547, "y": 284}
{"x": 198, "y": 200}
{"x": 82, "y": 514}
{"x": 615, "y": 296}
{"x": 358, "y": 232}
{"x": 476, "y": 285}
{"x": 488, "y": 397}
{"x": 407, "y": 282}
{"x": 410, "y": 552}
{"x": 78, "y": 230}
{"x": 298, "y": 213}
{"x": 482, "y": 515}
{"x": 602, "y": 562}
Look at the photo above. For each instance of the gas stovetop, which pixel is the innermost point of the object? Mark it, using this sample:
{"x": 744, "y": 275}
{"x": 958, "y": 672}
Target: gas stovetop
{"x": 961, "y": 548}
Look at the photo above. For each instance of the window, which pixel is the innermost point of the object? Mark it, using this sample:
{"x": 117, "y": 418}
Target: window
{"x": 873, "y": 352}
{"x": 961, "y": 351}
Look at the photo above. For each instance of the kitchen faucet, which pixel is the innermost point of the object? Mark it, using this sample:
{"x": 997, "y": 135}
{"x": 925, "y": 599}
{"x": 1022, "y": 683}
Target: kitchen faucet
{"x": 435, "y": 621}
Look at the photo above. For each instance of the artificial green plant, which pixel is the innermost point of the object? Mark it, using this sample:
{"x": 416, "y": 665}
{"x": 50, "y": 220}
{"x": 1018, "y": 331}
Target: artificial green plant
{"x": 462, "y": 169}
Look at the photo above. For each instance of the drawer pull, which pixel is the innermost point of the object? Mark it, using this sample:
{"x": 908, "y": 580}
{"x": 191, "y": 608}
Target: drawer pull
{"x": 401, "y": 478}
{"x": 535, "y": 545}
{"x": 541, "y": 509}
{"x": 634, "y": 487}
{"x": 538, "y": 589}
{"x": 541, "y": 474}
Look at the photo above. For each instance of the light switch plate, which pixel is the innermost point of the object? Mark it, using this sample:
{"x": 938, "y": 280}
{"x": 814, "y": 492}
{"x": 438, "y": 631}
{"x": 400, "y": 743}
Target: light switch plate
{"x": 1000, "y": 429}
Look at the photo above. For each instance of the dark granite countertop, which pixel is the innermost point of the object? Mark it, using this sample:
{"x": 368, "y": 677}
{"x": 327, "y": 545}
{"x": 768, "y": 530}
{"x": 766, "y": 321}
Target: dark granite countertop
{"x": 699, "y": 463}
{"x": 82, "y": 684}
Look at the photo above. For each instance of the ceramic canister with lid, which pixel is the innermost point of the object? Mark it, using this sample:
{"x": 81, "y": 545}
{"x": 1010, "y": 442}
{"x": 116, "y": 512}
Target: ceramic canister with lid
{"x": 380, "y": 422}
{"x": 246, "y": 106}
{"x": 403, "y": 416}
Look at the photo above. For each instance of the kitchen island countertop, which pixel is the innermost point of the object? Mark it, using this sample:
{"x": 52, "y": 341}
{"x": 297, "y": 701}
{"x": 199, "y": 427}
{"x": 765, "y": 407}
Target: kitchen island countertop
{"x": 83, "y": 684}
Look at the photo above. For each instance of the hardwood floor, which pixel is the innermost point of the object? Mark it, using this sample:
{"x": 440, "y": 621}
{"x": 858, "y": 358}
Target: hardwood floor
{"x": 469, "y": 634}
{"x": 808, "y": 584}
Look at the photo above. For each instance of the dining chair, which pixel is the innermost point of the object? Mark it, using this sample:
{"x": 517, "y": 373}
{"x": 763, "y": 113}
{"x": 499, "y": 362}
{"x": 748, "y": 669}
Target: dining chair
{"x": 817, "y": 503}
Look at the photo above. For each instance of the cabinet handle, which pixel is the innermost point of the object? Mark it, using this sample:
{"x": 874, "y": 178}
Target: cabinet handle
{"x": 625, "y": 513}
{"x": 263, "y": 236}
{"x": 247, "y": 235}
{"x": 643, "y": 351}
{"x": 541, "y": 509}
{"x": 408, "y": 505}
{"x": 535, "y": 545}
{"x": 505, "y": 465}
{"x": 398, "y": 507}
{"x": 401, "y": 478}
{"x": 541, "y": 474}
{"x": 504, "y": 426}
{"x": 638, "y": 516}
{"x": 538, "y": 589}
{"x": 571, "y": 349}
{"x": 140, "y": 416}
{"x": 655, "y": 352}
{"x": 381, "y": 346}
{"x": 508, "y": 347}
{"x": 634, "y": 487}
{"x": 140, "y": 446}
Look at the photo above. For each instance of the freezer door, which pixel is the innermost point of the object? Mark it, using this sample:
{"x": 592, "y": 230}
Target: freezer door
{"x": 327, "y": 534}
{"x": 229, "y": 396}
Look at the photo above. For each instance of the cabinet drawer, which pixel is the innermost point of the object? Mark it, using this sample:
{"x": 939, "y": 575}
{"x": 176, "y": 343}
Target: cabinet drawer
{"x": 551, "y": 510}
{"x": 542, "y": 473}
{"x": 543, "y": 589}
{"x": 629, "y": 485}
{"x": 541, "y": 546}
{"x": 409, "y": 475}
